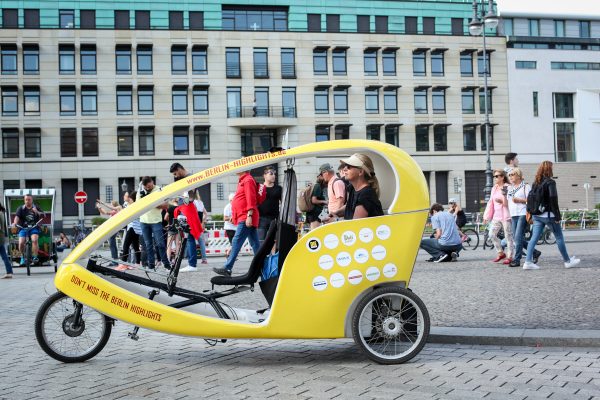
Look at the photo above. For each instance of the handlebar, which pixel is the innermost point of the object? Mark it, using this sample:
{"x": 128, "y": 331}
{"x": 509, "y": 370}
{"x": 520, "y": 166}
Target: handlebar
{"x": 29, "y": 227}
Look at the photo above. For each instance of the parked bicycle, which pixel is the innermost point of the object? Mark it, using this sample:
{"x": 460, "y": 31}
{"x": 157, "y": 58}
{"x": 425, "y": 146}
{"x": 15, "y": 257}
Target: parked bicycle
{"x": 471, "y": 240}
{"x": 79, "y": 233}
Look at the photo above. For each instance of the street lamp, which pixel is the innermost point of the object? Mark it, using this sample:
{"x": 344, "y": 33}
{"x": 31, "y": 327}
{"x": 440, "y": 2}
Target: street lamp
{"x": 476, "y": 28}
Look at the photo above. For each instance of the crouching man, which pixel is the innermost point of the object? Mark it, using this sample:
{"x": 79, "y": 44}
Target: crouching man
{"x": 445, "y": 243}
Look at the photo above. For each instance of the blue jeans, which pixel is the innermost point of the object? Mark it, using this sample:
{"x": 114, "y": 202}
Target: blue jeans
{"x": 4, "y": 256}
{"x": 433, "y": 247}
{"x": 518, "y": 227}
{"x": 191, "y": 249}
{"x": 241, "y": 234}
{"x": 154, "y": 233}
{"x": 114, "y": 252}
{"x": 538, "y": 228}
{"x": 202, "y": 246}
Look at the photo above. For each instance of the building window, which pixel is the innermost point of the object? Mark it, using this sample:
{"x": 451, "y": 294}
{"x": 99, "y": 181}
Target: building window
{"x": 535, "y": 104}
{"x": 66, "y": 59}
{"x": 321, "y": 133}
{"x": 68, "y": 142}
{"x": 363, "y": 23}
{"x": 457, "y": 26}
{"x": 89, "y": 142}
{"x": 121, "y": 19}
{"x": 370, "y": 62}
{"x": 178, "y": 60}
{"x": 575, "y": 65}
{"x": 508, "y": 27}
{"x": 88, "y": 59}
{"x": 428, "y": 25}
{"x": 342, "y": 132}
{"x": 320, "y": 61}
{"x": 124, "y": 100}
{"x": 372, "y": 101}
{"x": 314, "y": 22}
{"x": 196, "y": 20}
{"x": 146, "y": 140}
{"x": 392, "y": 135}
{"x": 390, "y": 100}
{"x": 438, "y": 100}
{"x": 201, "y": 140}
{"x": 175, "y": 19}
{"x": 437, "y": 63}
{"x": 31, "y": 59}
{"x": 10, "y": 143}
{"x": 565, "y": 141}
{"x": 484, "y": 139}
{"x": 482, "y": 101}
{"x": 142, "y": 19}
{"x": 179, "y": 99}
{"x": 563, "y": 105}
{"x": 9, "y": 59}
{"x": 234, "y": 102}
{"x": 469, "y": 138}
{"x": 33, "y": 142}
{"x": 89, "y": 100}
{"x": 321, "y": 100}
{"x": 261, "y": 63}
{"x": 422, "y": 137}
{"x": 381, "y": 24}
{"x": 254, "y": 18}
{"x": 333, "y": 22}
{"x": 466, "y": 64}
{"x": 374, "y": 132}
{"x": 288, "y": 101}
{"x": 440, "y": 137}
{"x": 67, "y": 100}
{"x": 534, "y": 27}
{"x": 232, "y": 62}
{"x": 123, "y": 59}
{"x": 199, "y": 61}
{"x": 338, "y": 60}
{"x": 31, "y": 100}
{"x": 410, "y": 25}
{"x": 10, "y": 18}
{"x": 125, "y": 140}
{"x": 388, "y": 60}
{"x": 288, "y": 63}
{"x": 468, "y": 101}
{"x": 145, "y": 98}
{"x": 87, "y": 19}
{"x": 584, "y": 29}
{"x": 66, "y": 19}
{"x": 525, "y": 64}
{"x": 419, "y": 67}
{"x": 260, "y": 107}
{"x": 181, "y": 140}
{"x": 481, "y": 66}
{"x": 200, "y": 94}
{"x": 340, "y": 101}
{"x": 10, "y": 101}
{"x": 559, "y": 28}
{"x": 144, "y": 59}
{"x": 421, "y": 101}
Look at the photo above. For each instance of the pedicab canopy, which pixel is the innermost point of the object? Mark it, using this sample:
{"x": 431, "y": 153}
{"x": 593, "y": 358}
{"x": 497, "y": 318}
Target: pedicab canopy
{"x": 322, "y": 277}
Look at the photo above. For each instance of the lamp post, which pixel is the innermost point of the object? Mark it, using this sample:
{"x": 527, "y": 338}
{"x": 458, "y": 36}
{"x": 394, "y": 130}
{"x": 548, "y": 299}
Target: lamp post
{"x": 476, "y": 28}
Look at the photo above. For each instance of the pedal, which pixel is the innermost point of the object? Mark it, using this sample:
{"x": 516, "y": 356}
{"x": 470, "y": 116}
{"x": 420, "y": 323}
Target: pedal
{"x": 223, "y": 340}
{"x": 133, "y": 336}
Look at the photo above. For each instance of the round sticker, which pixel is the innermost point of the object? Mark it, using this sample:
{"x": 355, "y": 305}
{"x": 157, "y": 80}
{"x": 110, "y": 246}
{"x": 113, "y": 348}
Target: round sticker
{"x": 372, "y": 273}
{"x": 319, "y": 283}
{"x": 355, "y": 277}
{"x": 378, "y": 252}
{"x": 337, "y": 280}
{"x": 326, "y": 262}
{"x": 389, "y": 270}
{"x": 313, "y": 245}
{"x": 348, "y": 238}
{"x": 361, "y": 256}
{"x": 365, "y": 235}
{"x": 383, "y": 232}
{"x": 344, "y": 259}
{"x": 331, "y": 241}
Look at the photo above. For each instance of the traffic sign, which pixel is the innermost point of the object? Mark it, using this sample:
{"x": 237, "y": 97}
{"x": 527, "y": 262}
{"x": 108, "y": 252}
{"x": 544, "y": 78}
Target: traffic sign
{"x": 80, "y": 197}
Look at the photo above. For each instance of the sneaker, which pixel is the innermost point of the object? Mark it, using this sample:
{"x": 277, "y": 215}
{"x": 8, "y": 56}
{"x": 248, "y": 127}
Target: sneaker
{"x": 22, "y": 262}
{"x": 536, "y": 256}
{"x": 35, "y": 261}
{"x": 501, "y": 256}
{"x": 507, "y": 261}
{"x": 204, "y": 262}
{"x": 442, "y": 258}
{"x": 514, "y": 264}
{"x": 7, "y": 276}
{"x": 572, "y": 262}
{"x": 432, "y": 259}
{"x": 454, "y": 256}
{"x": 222, "y": 271}
{"x": 530, "y": 265}
{"x": 189, "y": 268}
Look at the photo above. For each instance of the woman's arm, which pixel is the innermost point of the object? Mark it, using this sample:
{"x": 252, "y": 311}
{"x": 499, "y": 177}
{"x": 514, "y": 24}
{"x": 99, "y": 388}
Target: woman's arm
{"x": 360, "y": 212}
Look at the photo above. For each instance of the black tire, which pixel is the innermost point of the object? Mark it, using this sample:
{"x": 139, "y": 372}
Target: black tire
{"x": 549, "y": 237}
{"x": 390, "y": 314}
{"x": 472, "y": 239}
{"x": 28, "y": 258}
{"x": 61, "y": 309}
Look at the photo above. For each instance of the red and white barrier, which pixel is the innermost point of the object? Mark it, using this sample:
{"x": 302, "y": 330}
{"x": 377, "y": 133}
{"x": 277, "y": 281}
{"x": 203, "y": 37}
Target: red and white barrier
{"x": 217, "y": 243}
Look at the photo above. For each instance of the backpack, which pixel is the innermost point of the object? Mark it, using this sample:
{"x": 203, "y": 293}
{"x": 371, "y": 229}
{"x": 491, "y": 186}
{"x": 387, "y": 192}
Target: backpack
{"x": 305, "y": 203}
{"x": 536, "y": 201}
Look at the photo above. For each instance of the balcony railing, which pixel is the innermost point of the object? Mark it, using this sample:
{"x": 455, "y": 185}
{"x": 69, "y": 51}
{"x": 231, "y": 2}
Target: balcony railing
{"x": 261, "y": 112}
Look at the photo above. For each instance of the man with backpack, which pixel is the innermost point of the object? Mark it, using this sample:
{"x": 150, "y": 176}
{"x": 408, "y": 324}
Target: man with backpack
{"x": 336, "y": 189}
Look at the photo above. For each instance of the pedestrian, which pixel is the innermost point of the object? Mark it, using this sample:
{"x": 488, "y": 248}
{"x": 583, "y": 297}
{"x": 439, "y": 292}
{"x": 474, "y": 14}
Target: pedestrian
{"x": 62, "y": 243}
{"x": 550, "y": 217}
{"x": 445, "y": 243}
{"x": 245, "y": 217}
{"x": 228, "y": 224}
{"x": 268, "y": 210}
{"x": 336, "y": 190}
{"x": 110, "y": 210}
{"x": 319, "y": 201}
{"x": 511, "y": 161}
{"x": 131, "y": 239}
{"x": 202, "y": 216}
{"x": 152, "y": 229}
{"x": 497, "y": 213}
{"x": 189, "y": 210}
{"x": 3, "y": 254}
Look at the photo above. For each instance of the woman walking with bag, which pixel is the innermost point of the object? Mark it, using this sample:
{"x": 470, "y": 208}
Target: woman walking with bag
{"x": 517, "y": 205}
{"x": 497, "y": 212}
{"x": 549, "y": 215}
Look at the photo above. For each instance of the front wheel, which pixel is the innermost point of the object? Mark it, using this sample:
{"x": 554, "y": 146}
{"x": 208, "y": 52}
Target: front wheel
{"x": 472, "y": 240}
{"x": 69, "y": 331}
{"x": 390, "y": 325}
{"x": 549, "y": 237}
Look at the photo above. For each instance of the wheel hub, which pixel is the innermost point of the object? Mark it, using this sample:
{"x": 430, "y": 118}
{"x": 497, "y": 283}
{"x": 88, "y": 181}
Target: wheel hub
{"x": 70, "y": 328}
{"x": 392, "y": 326}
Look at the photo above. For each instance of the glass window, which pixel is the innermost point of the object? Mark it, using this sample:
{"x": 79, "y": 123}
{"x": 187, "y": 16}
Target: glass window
{"x": 144, "y": 59}
{"x": 89, "y": 100}
{"x": 372, "y": 101}
{"x": 67, "y": 19}
{"x": 322, "y": 133}
{"x": 363, "y": 23}
{"x": 332, "y": 22}
{"x": 320, "y": 61}
{"x": 481, "y": 66}
{"x": 10, "y": 101}
{"x": 199, "y": 61}
{"x": 66, "y": 59}
{"x": 584, "y": 29}
{"x": 87, "y": 19}
{"x": 67, "y": 100}
{"x": 466, "y": 64}
{"x": 261, "y": 64}
{"x": 373, "y": 132}
{"x": 419, "y": 67}
{"x": 200, "y": 100}
{"x": 422, "y": 137}
{"x": 535, "y": 104}
{"x": 88, "y": 59}
{"x": 31, "y": 100}
{"x": 123, "y": 60}
{"x": 261, "y": 102}
{"x": 31, "y": 18}
{"x": 321, "y": 101}
{"x": 525, "y": 64}
{"x": 201, "y": 140}
{"x": 175, "y": 19}
{"x": 429, "y": 25}
{"x": 232, "y": 61}
{"x": 288, "y": 63}
{"x": 440, "y": 138}
{"x": 482, "y": 101}
{"x": 468, "y": 102}
{"x": 420, "y": 101}
{"x": 457, "y": 26}
{"x": 392, "y": 135}
{"x": 181, "y": 140}
{"x": 559, "y": 27}
{"x": 179, "y": 97}
{"x": 124, "y": 141}
{"x": 339, "y": 62}
{"x": 10, "y": 18}
{"x": 438, "y": 101}
{"x": 89, "y": 142}
{"x": 251, "y": 18}
{"x": 340, "y": 101}
{"x": 508, "y": 27}
{"x": 196, "y": 20}
{"x": 31, "y": 59}
{"x": 145, "y": 97}
{"x": 388, "y": 59}
{"x": 342, "y": 132}
{"x": 33, "y": 142}
{"x": 390, "y": 101}
{"x": 437, "y": 64}
{"x": 370, "y": 61}
{"x": 124, "y": 100}
{"x": 9, "y": 59}
{"x": 288, "y": 101}
{"x": 142, "y": 19}
{"x": 469, "y": 138}
{"x": 565, "y": 141}
{"x": 178, "y": 60}
{"x": 10, "y": 143}
{"x": 68, "y": 142}
{"x": 534, "y": 27}
{"x": 234, "y": 102}
{"x": 483, "y": 137}
{"x": 314, "y": 22}
{"x": 410, "y": 25}
{"x": 146, "y": 140}
{"x": 563, "y": 105}
{"x": 381, "y": 24}
{"x": 121, "y": 19}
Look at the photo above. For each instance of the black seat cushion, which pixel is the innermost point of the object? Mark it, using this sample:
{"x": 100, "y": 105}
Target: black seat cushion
{"x": 256, "y": 265}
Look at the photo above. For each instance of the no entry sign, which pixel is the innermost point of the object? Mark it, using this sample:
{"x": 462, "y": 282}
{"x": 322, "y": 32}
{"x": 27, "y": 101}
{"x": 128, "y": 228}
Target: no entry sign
{"x": 80, "y": 197}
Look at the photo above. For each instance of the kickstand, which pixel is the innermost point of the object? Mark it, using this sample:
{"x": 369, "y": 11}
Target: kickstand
{"x": 133, "y": 334}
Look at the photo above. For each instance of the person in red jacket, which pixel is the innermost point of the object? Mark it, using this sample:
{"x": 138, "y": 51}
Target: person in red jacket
{"x": 189, "y": 210}
{"x": 245, "y": 217}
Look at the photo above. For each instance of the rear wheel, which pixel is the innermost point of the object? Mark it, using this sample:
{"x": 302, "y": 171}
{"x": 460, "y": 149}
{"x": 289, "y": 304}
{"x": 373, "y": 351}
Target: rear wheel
{"x": 472, "y": 240}
{"x": 391, "y": 325}
{"x": 549, "y": 237}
